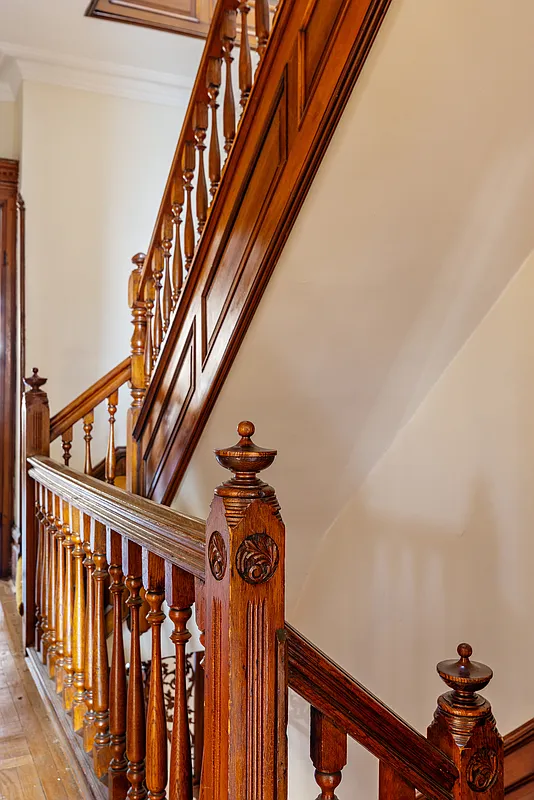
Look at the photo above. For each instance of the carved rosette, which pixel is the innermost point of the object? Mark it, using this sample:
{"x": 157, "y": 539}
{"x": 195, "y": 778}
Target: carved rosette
{"x": 257, "y": 558}
{"x": 482, "y": 769}
{"x": 217, "y": 556}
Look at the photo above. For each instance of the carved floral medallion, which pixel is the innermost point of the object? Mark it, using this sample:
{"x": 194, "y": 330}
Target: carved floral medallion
{"x": 217, "y": 555}
{"x": 257, "y": 558}
{"x": 482, "y": 769}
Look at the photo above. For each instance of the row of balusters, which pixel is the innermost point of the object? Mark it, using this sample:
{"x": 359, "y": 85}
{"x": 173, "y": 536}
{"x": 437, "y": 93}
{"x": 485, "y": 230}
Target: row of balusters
{"x": 77, "y": 559}
{"x": 193, "y": 187}
{"x": 67, "y": 437}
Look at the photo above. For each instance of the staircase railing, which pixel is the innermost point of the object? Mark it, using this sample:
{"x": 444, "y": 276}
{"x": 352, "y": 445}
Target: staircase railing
{"x": 229, "y": 572}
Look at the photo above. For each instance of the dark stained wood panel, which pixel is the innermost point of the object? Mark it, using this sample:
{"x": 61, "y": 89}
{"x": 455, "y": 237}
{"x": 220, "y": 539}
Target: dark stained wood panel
{"x": 315, "y": 54}
{"x": 190, "y": 17}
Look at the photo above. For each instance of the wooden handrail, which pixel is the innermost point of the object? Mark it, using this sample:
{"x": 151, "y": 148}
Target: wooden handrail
{"x": 167, "y": 533}
{"x": 90, "y": 398}
{"x": 353, "y": 708}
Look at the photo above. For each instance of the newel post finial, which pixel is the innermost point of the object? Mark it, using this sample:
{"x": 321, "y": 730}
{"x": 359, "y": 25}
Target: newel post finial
{"x": 465, "y": 729}
{"x": 243, "y": 608}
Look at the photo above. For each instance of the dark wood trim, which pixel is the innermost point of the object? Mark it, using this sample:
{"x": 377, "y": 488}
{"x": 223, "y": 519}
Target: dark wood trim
{"x": 90, "y": 399}
{"x": 166, "y": 533}
{"x": 80, "y": 762}
{"x": 146, "y": 14}
{"x": 351, "y": 707}
{"x": 519, "y": 761}
{"x": 292, "y": 113}
{"x": 9, "y": 354}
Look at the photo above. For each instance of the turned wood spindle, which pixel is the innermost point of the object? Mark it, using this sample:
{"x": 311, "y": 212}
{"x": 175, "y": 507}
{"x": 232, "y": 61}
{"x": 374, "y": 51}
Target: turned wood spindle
{"x": 156, "y": 730}
{"x": 137, "y": 377}
{"x": 328, "y": 752}
{"x": 213, "y": 81}
{"x": 60, "y": 595}
{"x": 245, "y": 60}
{"x": 52, "y": 579}
{"x": 89, "y": 565}
{"x": 200, "y": 127}
{"x": 39, "y": 594}
{"x": 228, "y": 34}
{"x": 180, "y": 590}
{"x": 111, "y": 457}
{"x": 166, "y": 246}
{"x": 177, "y": 204}
{"x": 261, "y": 15}
{"x": 78, "y": 631}
{"x": 157, "y": 333}
{"x": 189, "y": 228}
{"x": 150, "y": 294}
{"x": 117, "y": 781}
{"x": 135, "y": 717}
{"x": 68, "y": 597}
{"x": 101, "y": 752}
{"x": 200, "y": 618}
{"x": 45, "y": 573}
{"x": 66, "y": 443}
{"x": 88, "y": 422}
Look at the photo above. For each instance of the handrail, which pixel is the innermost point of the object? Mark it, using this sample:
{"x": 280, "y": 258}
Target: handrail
{"x": 90, "y": 398}
{"x": 167, "y": 533}
{"x": 353, "y": 708}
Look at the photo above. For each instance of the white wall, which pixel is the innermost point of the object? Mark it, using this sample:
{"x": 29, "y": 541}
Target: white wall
{"x": 93, "y": 171}
{"x": 9, "y": 144}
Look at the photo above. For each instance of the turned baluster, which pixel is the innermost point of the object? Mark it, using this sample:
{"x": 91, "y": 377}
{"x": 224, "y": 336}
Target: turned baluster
{"x": 111, "y": 457}
{"x": 52, "y": 578}
{"x": 89, "y": 565}
{"x": 166, "y": 246}
{"x": 200, "y": 127}
{"x": 66, "y": 443}
{"x": 39, "y": 568}
{"x": 117, "y": 780}
{"x": 45, "y": 573}
{"x": 137, "y": 379}
{"x": 101, "y": 753}
{"x": 200, "y": 618}
{"x": 465, "y": 730}
{"x": 245, "y": 60}
{"x": 189, "y": 228}
{"x": 157, "y": 273}
{"x": 60, "y": 596}
{"x": 180, "y": 592}
{"x": 135, "y": 718}
{"x": 88, "y": 422}
{"x": 392, "y": 785}
{"x": 68, "y": 610}
{"x": 228, "y": 34}
{"x": 156, "y": 729}
{"x": 328, "y": 752}
{"x": 213, "y": 80}
{"x": 78, "y": 626}
{"x": 261, "y": 15}
{"x": 150, "y": 294}
{"x": 177, "y": 204}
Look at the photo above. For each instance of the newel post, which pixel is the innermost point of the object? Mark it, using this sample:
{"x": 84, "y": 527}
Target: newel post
{"x": 464, "y": 728}
{"x": 35, "y": 442}
{"x": 244, "y": 609}
{"x": 137, "y": 380}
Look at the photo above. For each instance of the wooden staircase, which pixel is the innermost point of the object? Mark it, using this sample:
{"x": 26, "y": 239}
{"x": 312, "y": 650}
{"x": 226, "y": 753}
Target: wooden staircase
{"x": 235, "y": 188}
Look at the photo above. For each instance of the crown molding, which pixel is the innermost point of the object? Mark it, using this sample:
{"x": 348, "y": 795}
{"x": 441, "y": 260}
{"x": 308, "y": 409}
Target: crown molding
{"x": 19, "y": 63}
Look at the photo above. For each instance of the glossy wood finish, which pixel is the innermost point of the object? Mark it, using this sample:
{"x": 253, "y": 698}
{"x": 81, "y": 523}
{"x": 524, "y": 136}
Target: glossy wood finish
{"x": 89, "y": 655}
{"x": 111, "y": 458}
{"x": 10, "y": 358}
{"x": 68, "y": 606}
{"x": 79, "y": 632}
{"x": 519, "y": 762}
{"x": 313, "y": 57}
{"x": 392, "y": 785}
{"x": 51, "y": 586}
{"x": 328, "y": 752}
{"x": 101, "y": 743}
{"x": 60, "y": 594}
{"x": 117, "y": 780}
{"x": 156, "y": 733}
{"x": 188, "y": 17}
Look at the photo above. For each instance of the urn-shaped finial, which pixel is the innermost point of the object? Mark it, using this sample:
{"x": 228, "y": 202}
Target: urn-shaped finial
{"x": 35, "y": 381}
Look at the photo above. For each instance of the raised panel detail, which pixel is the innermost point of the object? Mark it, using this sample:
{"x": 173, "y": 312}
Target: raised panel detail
{"x": 191, "y": 17}
{"x": 178, "y": 397}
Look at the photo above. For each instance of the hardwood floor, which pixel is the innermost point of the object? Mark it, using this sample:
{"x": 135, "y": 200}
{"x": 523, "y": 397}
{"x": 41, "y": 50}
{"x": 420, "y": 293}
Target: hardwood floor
{"x": 33, "y": 765}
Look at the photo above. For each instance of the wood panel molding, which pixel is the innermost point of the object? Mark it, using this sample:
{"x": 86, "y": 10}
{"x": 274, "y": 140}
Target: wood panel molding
{"x": 298, "y": 97}
{"x": 519, "y": 762}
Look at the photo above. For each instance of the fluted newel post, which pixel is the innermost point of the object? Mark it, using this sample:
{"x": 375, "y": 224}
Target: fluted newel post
{"x": 244, "y": 596}
{"x": 465, "y": 730}
{"x": 35, "y": 441}
{"x": 138, "y": 379}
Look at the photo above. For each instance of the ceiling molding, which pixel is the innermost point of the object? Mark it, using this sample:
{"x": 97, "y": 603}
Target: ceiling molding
{"x": 19, "y": 63}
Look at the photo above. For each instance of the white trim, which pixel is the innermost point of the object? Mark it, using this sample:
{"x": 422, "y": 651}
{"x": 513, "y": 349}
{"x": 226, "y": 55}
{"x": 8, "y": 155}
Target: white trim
{"x": 103, "y": 77}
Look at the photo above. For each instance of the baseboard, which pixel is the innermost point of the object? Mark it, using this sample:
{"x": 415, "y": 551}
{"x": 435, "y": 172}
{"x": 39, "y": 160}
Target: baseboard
{"x": 79, "y": 761}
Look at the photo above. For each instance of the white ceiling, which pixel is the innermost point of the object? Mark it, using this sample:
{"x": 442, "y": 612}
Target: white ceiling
{"x": 52, "y": 41}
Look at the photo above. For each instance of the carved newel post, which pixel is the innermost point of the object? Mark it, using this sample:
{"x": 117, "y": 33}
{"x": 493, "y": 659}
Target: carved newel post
{"x": 464, "y": 729}
{"x": 244, "y": 597}
{"x": 35, "y": 442}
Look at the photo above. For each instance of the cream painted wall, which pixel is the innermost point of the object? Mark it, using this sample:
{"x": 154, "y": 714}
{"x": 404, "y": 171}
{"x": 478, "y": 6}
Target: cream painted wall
{"x": 93, "y": 170}
{"x": 9, "y": 144}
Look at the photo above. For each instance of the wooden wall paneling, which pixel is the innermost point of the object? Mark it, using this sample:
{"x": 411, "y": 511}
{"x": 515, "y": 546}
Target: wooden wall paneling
{"x": 298, "y": 97}
{"x": 519, "y": 762}
{"x": 9, "y": 359}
